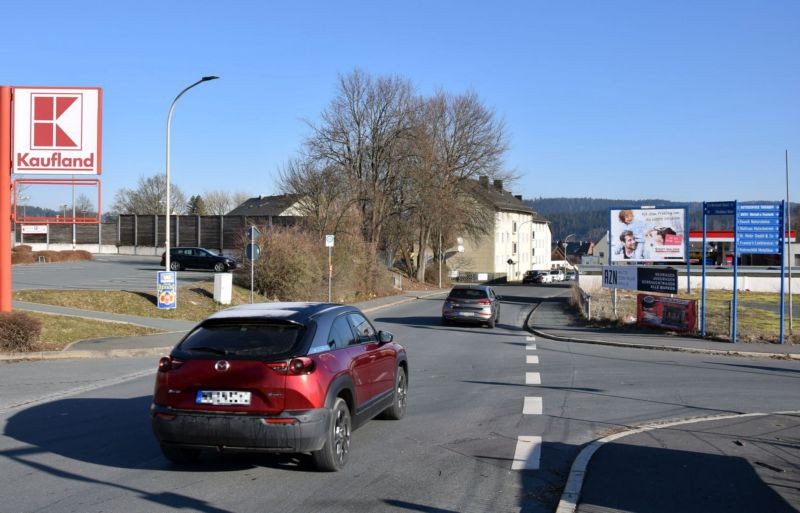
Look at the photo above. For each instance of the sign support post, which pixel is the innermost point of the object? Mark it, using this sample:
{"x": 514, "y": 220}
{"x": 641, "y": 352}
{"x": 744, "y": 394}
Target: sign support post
{"x": 735, "y": 270}
{"x": 5, "y": 199}
{"x": 783, "y": 263}
{"x": 703, "y": 279}
{"x": 329, "y": 241}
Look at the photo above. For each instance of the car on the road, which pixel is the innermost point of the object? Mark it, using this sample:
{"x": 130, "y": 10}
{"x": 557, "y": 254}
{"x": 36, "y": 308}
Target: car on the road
{"x": 277, "y": 377}
{"x": 197, "y": 258}
{"x": 473, "y": 304}
{"x": 556, "y": 275}
{"x": 535, "y": 277}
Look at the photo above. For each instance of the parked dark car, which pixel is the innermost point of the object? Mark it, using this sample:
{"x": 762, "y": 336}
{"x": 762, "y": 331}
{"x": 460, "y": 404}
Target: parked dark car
{"x": 277, "y": 377}
{"x": 197, "y": 258}
{"x": 473, "y": 304}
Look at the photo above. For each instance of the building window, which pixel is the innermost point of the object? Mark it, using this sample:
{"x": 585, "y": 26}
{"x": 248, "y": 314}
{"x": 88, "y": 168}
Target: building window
{"x": 513, "y": 227}
{"x": 513, "y": 248}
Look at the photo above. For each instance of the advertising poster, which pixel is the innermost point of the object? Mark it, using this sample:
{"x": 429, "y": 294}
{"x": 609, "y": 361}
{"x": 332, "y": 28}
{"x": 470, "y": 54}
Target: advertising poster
{"x": 645, "y": 279}
{"x": 648, "y": 235}
{"x": 666, "y": 313}
{"x": 167, "y": 292}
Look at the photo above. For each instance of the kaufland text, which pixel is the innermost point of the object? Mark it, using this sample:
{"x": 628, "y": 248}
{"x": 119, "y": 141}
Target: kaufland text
{"x": 54, "y": 161}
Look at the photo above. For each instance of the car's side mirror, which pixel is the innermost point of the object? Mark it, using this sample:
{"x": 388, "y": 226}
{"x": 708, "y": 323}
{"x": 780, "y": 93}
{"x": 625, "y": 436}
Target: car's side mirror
{"x": 385, "y": 337}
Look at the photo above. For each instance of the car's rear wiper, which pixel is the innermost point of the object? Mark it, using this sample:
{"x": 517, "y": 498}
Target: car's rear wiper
{"x": 213, "y": 350}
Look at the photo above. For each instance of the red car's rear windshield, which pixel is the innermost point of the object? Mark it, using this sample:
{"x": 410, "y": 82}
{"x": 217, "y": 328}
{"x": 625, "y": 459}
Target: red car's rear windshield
{"x": 468, "y": 294}
{"x": 243, "y": 338}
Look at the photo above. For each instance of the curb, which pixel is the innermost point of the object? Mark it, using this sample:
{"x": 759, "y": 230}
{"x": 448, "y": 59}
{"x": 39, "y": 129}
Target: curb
{"x": 82, "y": 354}
{"x": 679, "y": 349}
{"x": 577, "y": 472}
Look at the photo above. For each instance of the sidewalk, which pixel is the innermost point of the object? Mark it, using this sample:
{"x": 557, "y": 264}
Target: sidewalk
{"x": 734, "y": 463}
{"x": 157, "y": 344}
{"x": 551, "y": 319}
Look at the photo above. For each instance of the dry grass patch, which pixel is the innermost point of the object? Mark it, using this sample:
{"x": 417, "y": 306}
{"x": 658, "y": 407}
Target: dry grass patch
{"x": 58, "y": 331}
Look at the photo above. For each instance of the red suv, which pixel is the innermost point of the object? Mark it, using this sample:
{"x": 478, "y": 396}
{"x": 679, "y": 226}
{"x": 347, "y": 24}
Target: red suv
{"x": 277, "y": 377}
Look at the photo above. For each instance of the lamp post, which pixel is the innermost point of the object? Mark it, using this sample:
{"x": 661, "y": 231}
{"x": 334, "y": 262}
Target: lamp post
{"x": 169, "y": 122}
{"x": 566, "y": 260}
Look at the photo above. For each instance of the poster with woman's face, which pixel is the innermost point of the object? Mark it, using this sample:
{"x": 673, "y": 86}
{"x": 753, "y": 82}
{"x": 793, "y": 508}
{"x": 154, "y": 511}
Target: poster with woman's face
{"x": 648, "y": 235}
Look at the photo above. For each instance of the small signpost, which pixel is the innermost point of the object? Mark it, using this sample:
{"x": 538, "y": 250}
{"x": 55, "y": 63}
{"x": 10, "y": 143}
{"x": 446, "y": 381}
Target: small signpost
{"x": 329, "y": 239}
{"x": 167, "y": 292}
{"x": 252, "y": 252}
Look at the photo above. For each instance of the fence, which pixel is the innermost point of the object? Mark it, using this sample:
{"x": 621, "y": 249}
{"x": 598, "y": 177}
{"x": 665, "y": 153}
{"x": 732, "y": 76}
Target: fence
{"x": 145, "y": 234}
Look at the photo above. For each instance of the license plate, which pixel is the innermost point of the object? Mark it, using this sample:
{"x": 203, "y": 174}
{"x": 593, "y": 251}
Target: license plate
{"x": 466, "y": 314}
{"x": 223, "y": 397}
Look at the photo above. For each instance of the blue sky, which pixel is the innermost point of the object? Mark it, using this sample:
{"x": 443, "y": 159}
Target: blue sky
{"x": 681, "y": 100}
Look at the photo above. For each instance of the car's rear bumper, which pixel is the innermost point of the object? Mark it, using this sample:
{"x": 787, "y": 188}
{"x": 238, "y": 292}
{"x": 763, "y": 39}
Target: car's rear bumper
{"x": 299, "y": 431}
{"x": 479, "y": 317}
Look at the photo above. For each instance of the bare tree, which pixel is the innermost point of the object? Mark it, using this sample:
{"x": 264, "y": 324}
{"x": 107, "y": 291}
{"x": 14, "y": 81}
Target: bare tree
{"x": 361, "y": 136}
{"x": 324, "y": 200}
{"x": 457, "y": 140}
{"x": 149, "y": 198}
{"x": 84, "y": 206}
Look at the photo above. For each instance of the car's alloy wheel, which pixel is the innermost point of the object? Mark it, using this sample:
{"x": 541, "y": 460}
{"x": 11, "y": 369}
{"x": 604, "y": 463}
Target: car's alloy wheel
{"x": 398, "y": 407}
{"x": 333, "y": 455}
{"x": 219, "y": 267}
{"x": 175, "y": 266}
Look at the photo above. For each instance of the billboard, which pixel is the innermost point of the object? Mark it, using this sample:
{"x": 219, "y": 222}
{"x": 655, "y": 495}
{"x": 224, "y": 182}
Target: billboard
{"x": 666, "y": 312}
{"x": 57, "y": 130}
{"x": 646, "y": 279}
{"x": 648, "y": 235}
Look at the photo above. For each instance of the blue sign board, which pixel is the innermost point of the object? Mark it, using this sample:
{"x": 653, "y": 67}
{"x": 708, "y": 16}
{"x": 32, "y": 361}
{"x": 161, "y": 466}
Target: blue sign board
{"x": 719, "y": 208}
{"x": 759, "y": 228}
{"x": 167, "y": 290}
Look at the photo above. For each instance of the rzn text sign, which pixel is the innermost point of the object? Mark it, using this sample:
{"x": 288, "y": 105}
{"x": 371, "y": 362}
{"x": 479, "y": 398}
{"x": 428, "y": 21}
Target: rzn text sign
{"x": 57, "y": 130}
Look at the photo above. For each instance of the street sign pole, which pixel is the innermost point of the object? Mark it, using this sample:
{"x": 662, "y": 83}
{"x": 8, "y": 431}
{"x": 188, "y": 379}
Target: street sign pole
{"x": 735, "y": 270}
{"x": 703, "y": 279}
{"x": 329, "y": 241}
{"x": 783, "y": 266}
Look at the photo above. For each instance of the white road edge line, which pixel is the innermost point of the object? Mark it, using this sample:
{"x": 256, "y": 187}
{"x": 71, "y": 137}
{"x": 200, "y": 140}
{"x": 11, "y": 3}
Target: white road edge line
{"x": 533, "y": 378}
{"x": 532, "y": 406}
{"x": 572, "y": 491}
{"x": 527, "y": 453}
{"x": 532, "y": 359}
{"x": 78, "y": 390}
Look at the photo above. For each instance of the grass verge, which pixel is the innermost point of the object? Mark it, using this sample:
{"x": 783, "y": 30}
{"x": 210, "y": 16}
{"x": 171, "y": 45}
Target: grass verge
{"x": 58, "y": 331}
{"x": 758, "y": 314}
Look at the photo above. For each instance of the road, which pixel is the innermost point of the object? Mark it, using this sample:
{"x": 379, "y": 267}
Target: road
{"x": 104, "y": 272}
{"x": 482, "y": 402}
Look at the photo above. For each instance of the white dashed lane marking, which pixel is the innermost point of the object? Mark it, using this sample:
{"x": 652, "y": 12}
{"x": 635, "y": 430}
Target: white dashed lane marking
{"x": 532, "y": 359}
{"x": 530, "y": 338}
{"x": 533, "y": 406}
{"x": 531, "y": 347}
{"x": 527, "y": 453}
{"x": 533, "y": 378}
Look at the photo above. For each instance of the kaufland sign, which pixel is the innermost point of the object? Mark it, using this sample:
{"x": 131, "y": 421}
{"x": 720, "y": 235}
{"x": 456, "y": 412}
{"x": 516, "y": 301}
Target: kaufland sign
{"x": 56, "y": 130}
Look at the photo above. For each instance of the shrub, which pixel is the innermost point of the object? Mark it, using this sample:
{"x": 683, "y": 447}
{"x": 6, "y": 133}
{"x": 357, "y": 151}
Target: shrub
{"x": 22, "y": 248}
{"x": 19, "y": 331}
{"x": 22, "y": 257}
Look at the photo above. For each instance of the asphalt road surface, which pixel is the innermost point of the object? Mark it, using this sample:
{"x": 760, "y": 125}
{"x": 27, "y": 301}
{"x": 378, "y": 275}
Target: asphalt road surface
{"x": 105, "y": 272}
{"x": 494, "y": 421}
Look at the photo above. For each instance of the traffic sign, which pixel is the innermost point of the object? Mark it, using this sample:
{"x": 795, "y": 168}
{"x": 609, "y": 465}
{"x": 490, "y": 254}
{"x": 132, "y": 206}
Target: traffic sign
{"x": 719, "y": 208}
{"x": 253, "y": 233}
{"x": 252, "y": 251}
{"x": 759, "y": 228}
{"x": 329, "y": 239}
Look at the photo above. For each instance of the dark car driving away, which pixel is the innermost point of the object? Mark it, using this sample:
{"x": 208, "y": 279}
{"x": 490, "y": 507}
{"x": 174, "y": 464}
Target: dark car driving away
{"x": 197, "y": 258}
{"x": 277, "y": 377}
{"x": 473, "y": 304}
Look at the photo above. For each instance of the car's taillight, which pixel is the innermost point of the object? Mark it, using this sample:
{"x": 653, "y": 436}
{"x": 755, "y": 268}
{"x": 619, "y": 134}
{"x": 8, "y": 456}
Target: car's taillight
{"x": 168, "y": 363}
{"x": 484, "y": 302}
{"x": 296, "y": 366}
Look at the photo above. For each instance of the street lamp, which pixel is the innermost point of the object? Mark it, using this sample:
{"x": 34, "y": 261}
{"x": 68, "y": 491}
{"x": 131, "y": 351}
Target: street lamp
{"x": 564, "y": 243}
{"x": 24, "y": 200}
{"x": 169, "y": 122}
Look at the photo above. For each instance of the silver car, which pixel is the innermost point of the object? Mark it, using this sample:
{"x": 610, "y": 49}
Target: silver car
{"x": 476, "y": 304}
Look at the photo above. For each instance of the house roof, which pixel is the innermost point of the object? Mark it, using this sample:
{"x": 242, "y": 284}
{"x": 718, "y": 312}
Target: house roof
{"x": 265, "y": 205}
{"x": 500, "y": 199}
